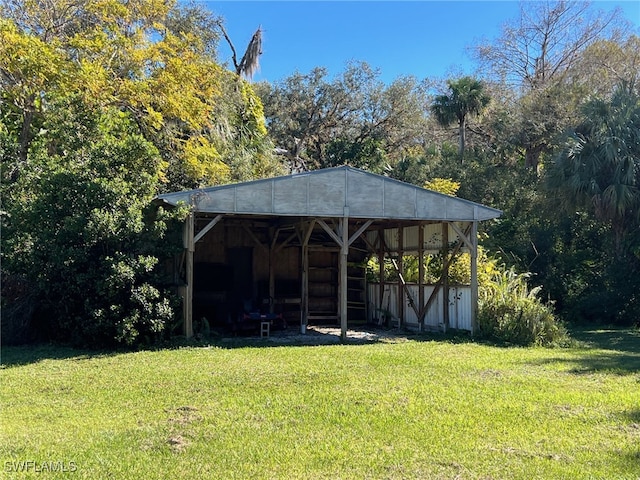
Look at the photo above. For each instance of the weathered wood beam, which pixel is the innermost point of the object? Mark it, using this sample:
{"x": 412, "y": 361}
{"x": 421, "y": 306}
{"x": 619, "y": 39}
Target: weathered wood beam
{"x": 467, "y": 241}
{"x": 360, "y": 231}
{"x": 420, "y": 273}
{"x": 206, "y": 228}
{"x": 344, "y": 254}
{"x": 255, "y": 239}
{"x": 307, "y": 233}
{"x": 304, "y": 289}
{"x": 381, "y": 244}
{"x": 445, "y": 275}
{"x": 372, "y": 247}
{"x": 401, "y": 283}
{"x": 330, "y": 231}
{"x": 432, "y": 297}
{"x": 286, "y": 242}
{"x": 405, "y": 288}
{"x": 273, "y": 234}
{"x": 273, "y": 237}
{"x": 187, "y": 301}
{"x": 474, "y": 277}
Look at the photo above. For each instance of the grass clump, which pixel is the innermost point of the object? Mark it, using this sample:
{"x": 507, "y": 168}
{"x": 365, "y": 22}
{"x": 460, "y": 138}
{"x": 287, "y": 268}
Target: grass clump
{"x": 509, "y": 311}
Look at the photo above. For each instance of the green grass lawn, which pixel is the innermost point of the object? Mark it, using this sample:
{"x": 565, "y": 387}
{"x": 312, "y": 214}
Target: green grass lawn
{"x": 421, "y": 408}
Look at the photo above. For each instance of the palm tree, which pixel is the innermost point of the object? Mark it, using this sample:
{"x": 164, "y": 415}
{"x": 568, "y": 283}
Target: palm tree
{"x": 467, "y": 96}
{"x": 599, "y": 166}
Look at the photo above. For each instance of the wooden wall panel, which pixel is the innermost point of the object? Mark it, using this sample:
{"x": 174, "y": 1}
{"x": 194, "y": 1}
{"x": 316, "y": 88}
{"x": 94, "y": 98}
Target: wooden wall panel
{"x": 211, "y": 249}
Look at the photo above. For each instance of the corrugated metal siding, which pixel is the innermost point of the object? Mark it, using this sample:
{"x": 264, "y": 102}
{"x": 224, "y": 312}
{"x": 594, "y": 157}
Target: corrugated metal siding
{"x": 291, "y": 191}
{"x": 459, "y": 305}
{"x": 460, "y": 308}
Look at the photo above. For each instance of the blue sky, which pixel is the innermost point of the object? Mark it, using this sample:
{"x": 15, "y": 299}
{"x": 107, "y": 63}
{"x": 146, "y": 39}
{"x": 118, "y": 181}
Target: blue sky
{"x": 419, "y": 38}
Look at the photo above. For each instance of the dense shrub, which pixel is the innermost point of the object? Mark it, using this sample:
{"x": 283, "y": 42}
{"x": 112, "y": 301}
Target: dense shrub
{"x": 511, "y": 312}
{"x": 80, "y": 233}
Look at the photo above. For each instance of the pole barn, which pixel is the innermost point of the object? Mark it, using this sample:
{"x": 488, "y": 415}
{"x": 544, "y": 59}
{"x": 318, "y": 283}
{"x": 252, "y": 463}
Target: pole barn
{"x": 297, "y": 245}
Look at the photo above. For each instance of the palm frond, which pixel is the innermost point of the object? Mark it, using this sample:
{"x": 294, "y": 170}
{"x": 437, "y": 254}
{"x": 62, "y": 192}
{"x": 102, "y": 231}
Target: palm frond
{"x": 249, "y": 64}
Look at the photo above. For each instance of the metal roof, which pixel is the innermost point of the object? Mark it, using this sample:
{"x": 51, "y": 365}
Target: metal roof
{"x": 332, "y": 192}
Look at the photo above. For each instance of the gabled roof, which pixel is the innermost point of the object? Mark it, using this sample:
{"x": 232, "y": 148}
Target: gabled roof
{"x": 332, "y": 192}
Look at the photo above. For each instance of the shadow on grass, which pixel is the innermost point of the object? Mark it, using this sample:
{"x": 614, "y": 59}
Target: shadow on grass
{"x": 619, "y": 339}
{"x": 634, "y": 418}
{"x": 612, "y": 350}
{"x": 631, "y": 427}
{"x": 15, "y": 356}
{"x": 319, "y": 335}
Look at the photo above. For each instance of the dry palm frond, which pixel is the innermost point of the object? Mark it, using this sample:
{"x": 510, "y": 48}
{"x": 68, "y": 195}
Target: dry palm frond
{"x": 249, "y": 64}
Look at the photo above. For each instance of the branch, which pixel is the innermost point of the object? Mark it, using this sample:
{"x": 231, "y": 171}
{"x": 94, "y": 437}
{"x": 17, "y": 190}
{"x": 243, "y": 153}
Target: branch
{"x": 233, "y": 50}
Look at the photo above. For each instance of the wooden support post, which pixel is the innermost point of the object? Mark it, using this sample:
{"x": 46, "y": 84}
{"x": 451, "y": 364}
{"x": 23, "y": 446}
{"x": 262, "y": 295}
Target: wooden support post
{"x": 421, "y": 273}
{"x": 401, "y": 319}
{"x": 187, "y": 301}
{"x": 344, "y": 253}
{"x": 474, "y": 275}
{"x": 273, "y": 235}
{"x": 445, "y": 275}
{"x": 381, "y": 272}
{"x": 304, "y": 290}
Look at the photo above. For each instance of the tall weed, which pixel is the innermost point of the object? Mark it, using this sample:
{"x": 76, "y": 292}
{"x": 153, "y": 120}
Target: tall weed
{"x": 510, "y": 311}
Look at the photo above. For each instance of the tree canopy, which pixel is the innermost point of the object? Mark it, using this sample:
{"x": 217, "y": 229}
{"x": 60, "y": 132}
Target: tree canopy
{"x": 598, "y": 168}
{"x": 104, "y": 104}
{"x": 353, "y": 119}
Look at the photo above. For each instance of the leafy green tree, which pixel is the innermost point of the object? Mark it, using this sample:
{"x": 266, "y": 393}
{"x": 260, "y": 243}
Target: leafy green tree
{"x": 599, "y": 167}
{"x": 155, "y": 60}
{"x": 79, "y": 228}
{"x": 596, "y": 177}
{"x": 352, "y": 119}
{"x": 538, "y": 56}
{"x": 467, "y": 96}
{"x": 29, "y": 67}
{"x": 103, "y": 105}
{"x": 607, "y": 64}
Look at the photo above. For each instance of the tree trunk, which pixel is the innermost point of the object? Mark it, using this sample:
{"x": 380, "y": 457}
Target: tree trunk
{"x": 532, "y": 157}
{"x": 25, "y": 139}
{"x": 461, "y": 138}
{"x": 619, "y": 232}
